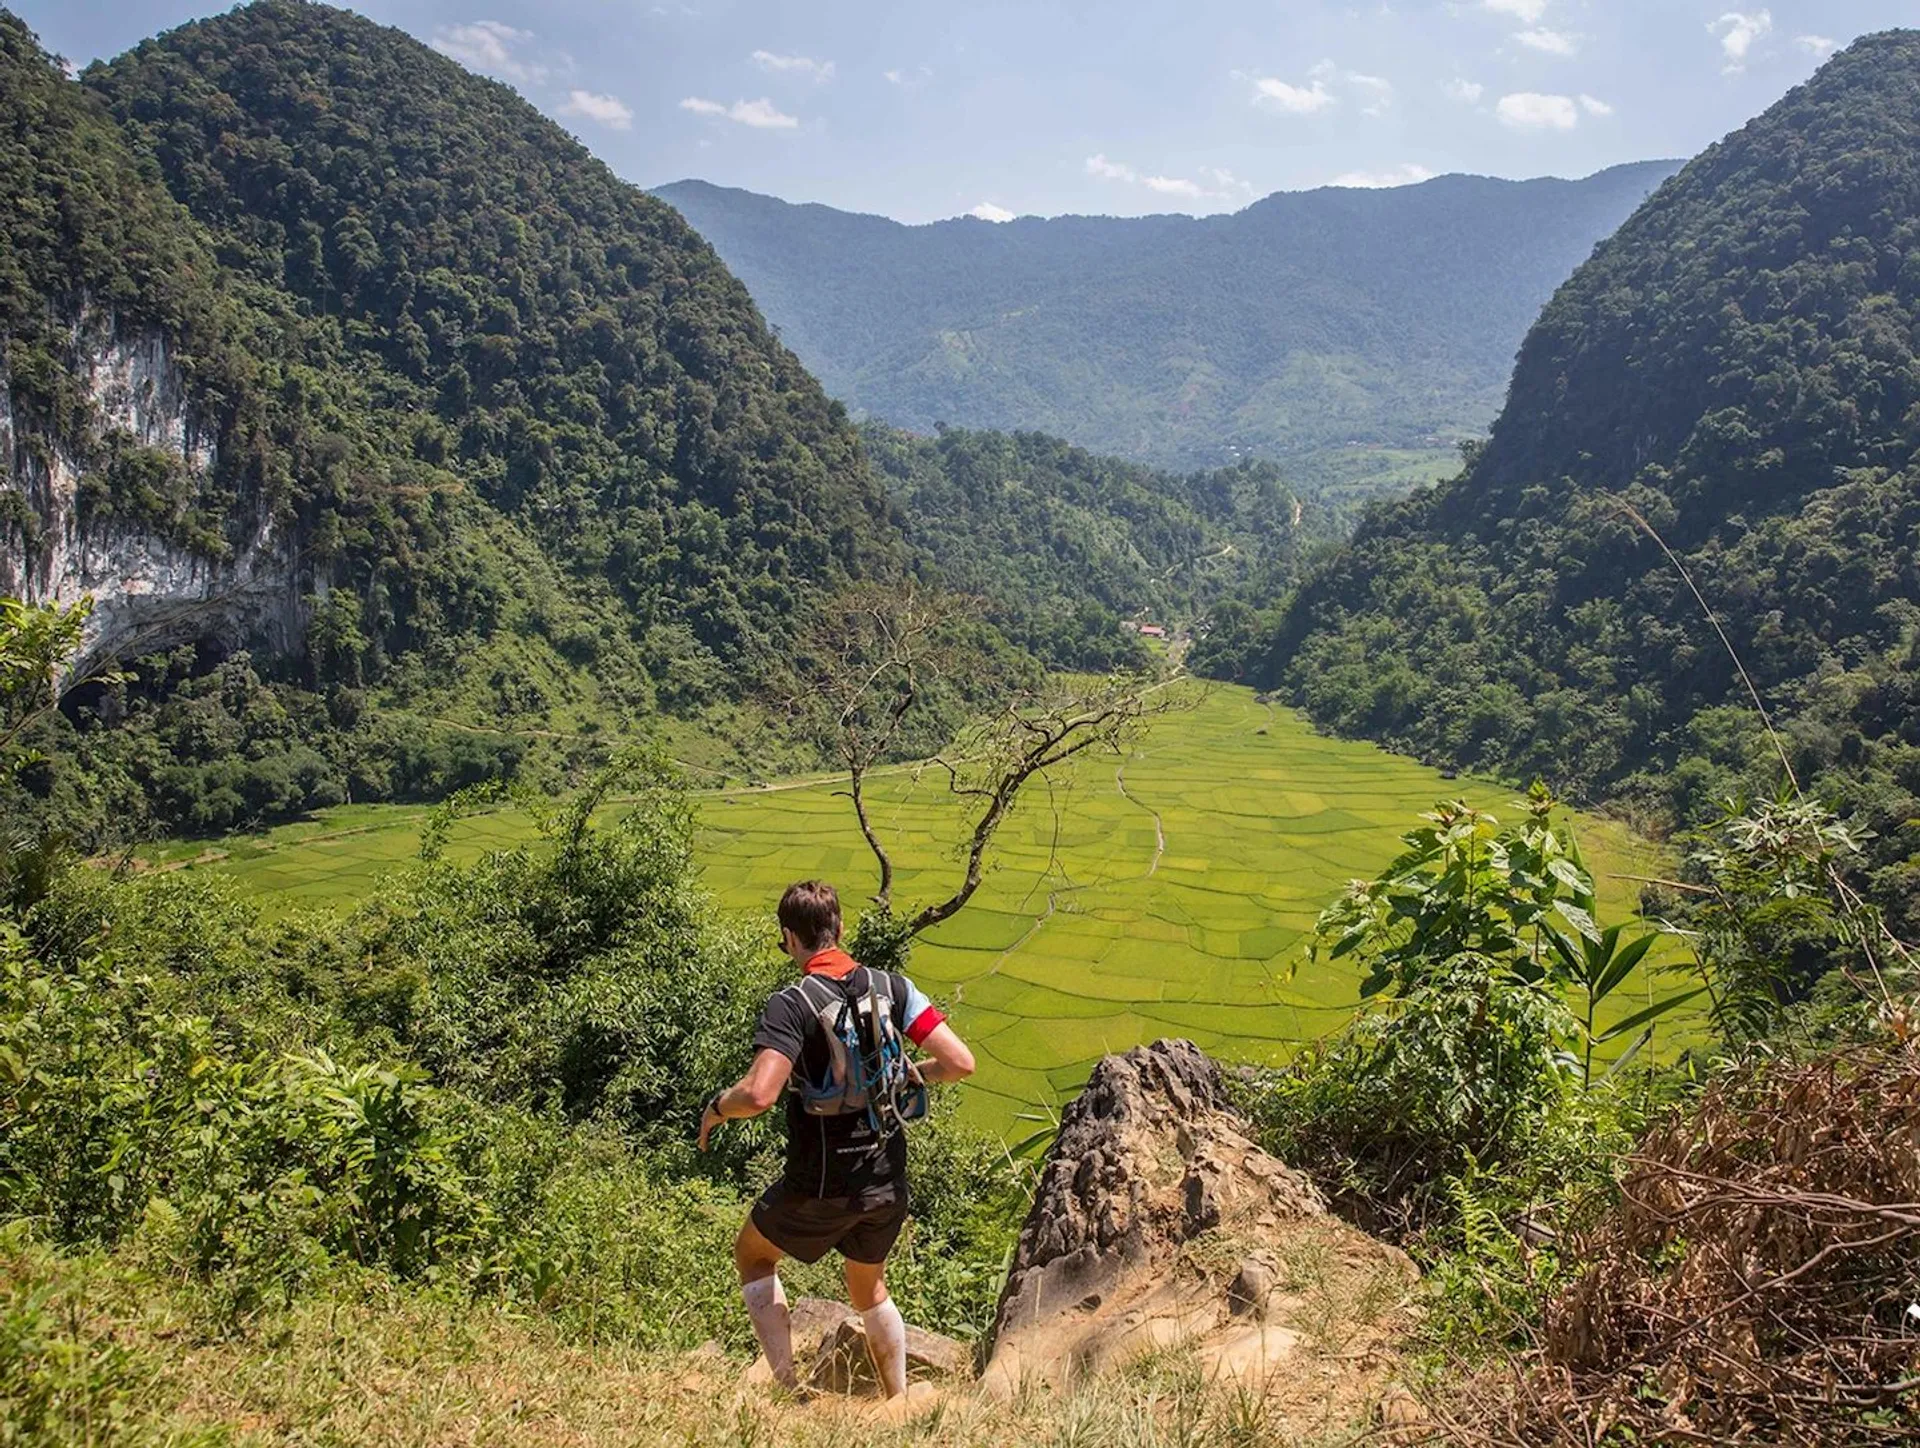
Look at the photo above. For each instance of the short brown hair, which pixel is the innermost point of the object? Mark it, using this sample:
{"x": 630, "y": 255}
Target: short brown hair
{"x": 811, "y": 910}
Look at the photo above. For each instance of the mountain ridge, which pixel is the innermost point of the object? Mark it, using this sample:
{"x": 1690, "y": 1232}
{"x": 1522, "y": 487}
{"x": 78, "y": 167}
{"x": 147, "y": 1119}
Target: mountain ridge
{"x": 1304, "y": 322}
{"x": 692, "y": 184}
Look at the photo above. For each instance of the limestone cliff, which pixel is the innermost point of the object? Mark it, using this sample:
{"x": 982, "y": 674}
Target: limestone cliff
{"x": 150, "y": 591}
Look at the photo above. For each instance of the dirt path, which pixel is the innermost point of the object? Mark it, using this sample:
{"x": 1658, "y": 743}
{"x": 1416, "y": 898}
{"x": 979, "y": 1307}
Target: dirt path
{"x": 1159, "y": 829}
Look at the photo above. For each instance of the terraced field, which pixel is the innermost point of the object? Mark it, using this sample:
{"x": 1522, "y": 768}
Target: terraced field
{"x": 1169, "y": 892}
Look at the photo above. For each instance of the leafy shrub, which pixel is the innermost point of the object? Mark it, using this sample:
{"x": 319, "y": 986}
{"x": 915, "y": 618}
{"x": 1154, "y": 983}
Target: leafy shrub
{"x": 584, "y": 971}
{"x": 1774, "y": 912}
{"x": 1473, "y": 942}
{"x": 1464, "y": 1069}
{"x": 260, "y": 1169}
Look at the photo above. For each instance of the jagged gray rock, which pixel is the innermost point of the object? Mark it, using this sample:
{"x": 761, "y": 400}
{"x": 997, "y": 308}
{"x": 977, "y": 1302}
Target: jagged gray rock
{"x": 148, "y": 589}
{"x": 1158, "y": 1223}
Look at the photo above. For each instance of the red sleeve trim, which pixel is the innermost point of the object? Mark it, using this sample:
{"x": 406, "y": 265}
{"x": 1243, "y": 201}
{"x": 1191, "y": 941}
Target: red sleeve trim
{"x": 924, "y": 1025}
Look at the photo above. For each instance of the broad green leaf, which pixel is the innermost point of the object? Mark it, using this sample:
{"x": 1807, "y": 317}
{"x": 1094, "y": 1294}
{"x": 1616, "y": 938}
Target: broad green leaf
{"x": 1570, "y": 875}
{"x": 1621, "y": 966}
{"x": 1653, "y": 1012}
{"x": 1579, "y": 919}
{"x": 1626, "y": 1056}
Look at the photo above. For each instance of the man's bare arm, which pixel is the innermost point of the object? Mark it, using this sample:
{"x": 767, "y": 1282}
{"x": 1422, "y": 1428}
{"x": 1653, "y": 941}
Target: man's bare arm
{"x": 948, "y": 1057}
{"x": 752, "y": 1094}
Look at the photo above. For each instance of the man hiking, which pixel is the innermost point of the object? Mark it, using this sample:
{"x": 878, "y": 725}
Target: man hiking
{"x": 845, "y": 1184}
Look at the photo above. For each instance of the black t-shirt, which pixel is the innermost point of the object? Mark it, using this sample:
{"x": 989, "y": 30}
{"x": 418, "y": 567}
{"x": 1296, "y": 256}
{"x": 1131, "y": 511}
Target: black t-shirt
{"x": 838, "y": 1157}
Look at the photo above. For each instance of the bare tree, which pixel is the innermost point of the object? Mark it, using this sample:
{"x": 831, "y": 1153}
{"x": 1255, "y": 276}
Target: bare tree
{"x": 876, "y": 657}
{"x": 880, "y": 670}
{"x": 1027, "y": 737}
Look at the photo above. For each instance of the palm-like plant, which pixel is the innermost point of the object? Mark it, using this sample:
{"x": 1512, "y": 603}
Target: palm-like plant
{"x": 1597, "y": 964}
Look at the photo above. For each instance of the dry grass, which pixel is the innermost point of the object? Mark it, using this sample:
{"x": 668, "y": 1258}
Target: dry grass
{"x": 1757, "y": 1283}
{"x": 376, "y": 1367}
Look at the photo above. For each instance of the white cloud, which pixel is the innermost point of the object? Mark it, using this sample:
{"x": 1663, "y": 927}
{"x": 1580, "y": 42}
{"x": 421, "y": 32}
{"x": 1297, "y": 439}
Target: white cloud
{"x": 1738, "y": 33}
{"x": 1527, "y": 12}
{"x": 607, "y": 111}
{"x": 918, "y": 76}
{"x": 987, "y": 211}
{"x": 1817, "y": 46}
{"x": 489, "y": 46}
{"x": 1226, "y": 183}
{"x": 1549, "y": 42}
{"x": 1293, "y": 100}
{"x": 818, "y": 70}
{"x": 760, "y": 114}
{"x": 1406, "y": 174}
{"x": 1529, "y": 111}
{"x": 1373, "y": 93}
{"x": 1376, "y": 93}
{"x": 1595, "y": 107}
{"x": 1468, "y": 92}
{"x": 1174, "y": 186}
{"x": 1226, "y": 186}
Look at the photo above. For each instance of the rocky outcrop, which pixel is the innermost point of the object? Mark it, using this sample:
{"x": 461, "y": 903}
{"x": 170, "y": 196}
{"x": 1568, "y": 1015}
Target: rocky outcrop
{"x": 149, "y": 591}
{"x": 1159, "y": 1224}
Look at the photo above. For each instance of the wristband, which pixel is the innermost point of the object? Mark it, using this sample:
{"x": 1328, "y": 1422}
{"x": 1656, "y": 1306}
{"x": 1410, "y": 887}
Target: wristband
{"x": 713, "y": 1103}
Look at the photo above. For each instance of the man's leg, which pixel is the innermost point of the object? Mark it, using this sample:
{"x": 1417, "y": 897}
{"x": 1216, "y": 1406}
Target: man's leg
{"x": 886, "y": 1330}
{"x": 758, "y": 1261}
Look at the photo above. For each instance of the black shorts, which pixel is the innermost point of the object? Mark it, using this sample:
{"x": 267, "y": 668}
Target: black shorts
{"x": 807, "y": 1228}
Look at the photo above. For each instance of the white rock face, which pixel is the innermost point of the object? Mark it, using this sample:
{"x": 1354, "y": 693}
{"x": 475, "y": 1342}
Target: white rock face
{"x": 149, "y": 593}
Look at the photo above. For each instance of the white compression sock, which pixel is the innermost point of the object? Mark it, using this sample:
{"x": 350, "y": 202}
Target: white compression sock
{"x": 887, "y": 1343}
{"x": 767, "y": 1307}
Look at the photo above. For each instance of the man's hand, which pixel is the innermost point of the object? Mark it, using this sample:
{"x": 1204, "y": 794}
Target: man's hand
{"x": 752, "y": 1094}
{"x": 710, "y": 1117}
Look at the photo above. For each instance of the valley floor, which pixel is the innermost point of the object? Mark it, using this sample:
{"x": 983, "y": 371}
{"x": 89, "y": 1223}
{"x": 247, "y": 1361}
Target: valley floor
{"x": 1169, "y": 893}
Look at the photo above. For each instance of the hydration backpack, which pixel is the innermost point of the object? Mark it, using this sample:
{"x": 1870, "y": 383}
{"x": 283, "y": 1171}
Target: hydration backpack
{"x": 869, "y": 1072}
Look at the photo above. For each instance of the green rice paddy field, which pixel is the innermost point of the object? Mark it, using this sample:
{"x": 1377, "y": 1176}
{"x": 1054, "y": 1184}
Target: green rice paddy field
{"x": 1167, "y": 893}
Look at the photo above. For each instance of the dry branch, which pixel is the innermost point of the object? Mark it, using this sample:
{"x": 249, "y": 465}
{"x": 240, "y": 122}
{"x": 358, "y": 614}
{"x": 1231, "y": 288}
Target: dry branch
{"x": 1757, "y": 1282}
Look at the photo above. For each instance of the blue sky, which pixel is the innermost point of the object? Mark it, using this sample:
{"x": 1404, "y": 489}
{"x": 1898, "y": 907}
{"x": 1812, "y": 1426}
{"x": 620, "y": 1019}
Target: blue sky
{"x": 918, "y": 110}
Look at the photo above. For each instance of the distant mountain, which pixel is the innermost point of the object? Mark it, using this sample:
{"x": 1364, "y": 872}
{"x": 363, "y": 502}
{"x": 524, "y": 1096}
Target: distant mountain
{"x": 1741, "y": 365}
{"x": 1304, "y": 323}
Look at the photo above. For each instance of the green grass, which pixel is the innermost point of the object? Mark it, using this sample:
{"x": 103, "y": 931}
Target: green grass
{"x": 1086, "y": 937}
{"x": 1361, "y": 474}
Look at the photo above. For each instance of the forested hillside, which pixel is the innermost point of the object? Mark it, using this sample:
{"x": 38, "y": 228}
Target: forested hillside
{"x": 479, "y": 456}
{"x": 1302, "y": 324}
{"x": 1741, "y": 365}
{"x": 496, "y": 436}
{"x": 561, "y": 342}
{"x": 1063, "y": 544}
{"x": 96, "y": 252}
